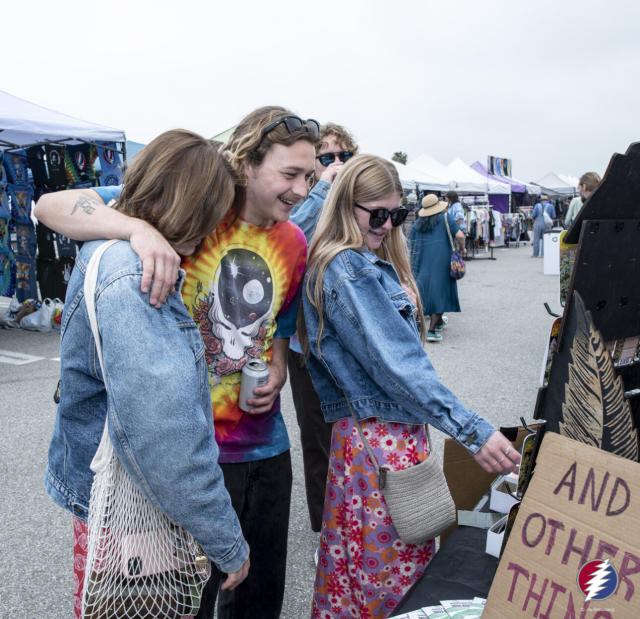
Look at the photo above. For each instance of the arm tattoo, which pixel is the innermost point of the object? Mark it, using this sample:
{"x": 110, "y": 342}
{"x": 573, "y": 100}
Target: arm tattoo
{"x": 86, "y": 204}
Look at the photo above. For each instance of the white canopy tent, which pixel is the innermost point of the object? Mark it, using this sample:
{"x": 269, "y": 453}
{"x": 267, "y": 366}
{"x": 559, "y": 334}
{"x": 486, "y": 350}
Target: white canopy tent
{"x": 552, "y": 183}
{"x": 570, "y": 180}
{"x": 429, "y": 165}
{"x": 410, "y": 177}
{"x": 465, "y": 178}
{"x": 24, "y": 124}
{"x": 458, "y": 176}
{"x": 531, "y": 188}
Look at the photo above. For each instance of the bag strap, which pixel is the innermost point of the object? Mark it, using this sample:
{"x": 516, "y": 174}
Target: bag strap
{"x": 90, "y": 281}
{"x": 446, "y": 223}
{"x": 103, "y": 454}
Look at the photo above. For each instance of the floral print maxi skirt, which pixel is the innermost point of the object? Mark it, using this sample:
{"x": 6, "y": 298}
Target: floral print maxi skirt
{"x": 364, "y": 569}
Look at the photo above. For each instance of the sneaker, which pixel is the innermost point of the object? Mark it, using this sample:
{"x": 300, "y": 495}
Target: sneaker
{"x": 443, "y": 324}
{"x": 432, "y": 336}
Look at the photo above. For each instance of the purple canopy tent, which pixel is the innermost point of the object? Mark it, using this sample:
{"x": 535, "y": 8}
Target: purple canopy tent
{"x": 499, "y": 202}
{"x": 516, "y": 187}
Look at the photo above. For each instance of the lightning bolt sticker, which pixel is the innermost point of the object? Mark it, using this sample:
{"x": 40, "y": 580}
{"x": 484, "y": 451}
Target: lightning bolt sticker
{"x": 597, "y": 579}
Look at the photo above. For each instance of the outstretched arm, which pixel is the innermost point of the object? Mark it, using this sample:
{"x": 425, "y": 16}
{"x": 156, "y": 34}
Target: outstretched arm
{"x": 81, "y": 214}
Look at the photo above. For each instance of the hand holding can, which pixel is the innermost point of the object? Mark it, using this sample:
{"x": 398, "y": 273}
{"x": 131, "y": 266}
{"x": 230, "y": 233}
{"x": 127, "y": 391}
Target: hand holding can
{"x": 255, "y": 373}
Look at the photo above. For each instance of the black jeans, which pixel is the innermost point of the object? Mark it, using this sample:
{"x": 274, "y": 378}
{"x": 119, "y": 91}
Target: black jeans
{"x": 261, "y": 495}
{"x": 315, "y": 436}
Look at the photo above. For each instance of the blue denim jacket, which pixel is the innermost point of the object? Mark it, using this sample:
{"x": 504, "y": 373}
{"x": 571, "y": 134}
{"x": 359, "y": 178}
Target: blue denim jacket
{"x": 305, "y": 215}
{"x": 371, "y": 349}
{"x": 158, "y": 405}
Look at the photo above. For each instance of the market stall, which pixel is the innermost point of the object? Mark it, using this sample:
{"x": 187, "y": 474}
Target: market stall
{"x": 570, "y": 544}
{"x": 554, "y": 186}
{"x": 42, "y": 151}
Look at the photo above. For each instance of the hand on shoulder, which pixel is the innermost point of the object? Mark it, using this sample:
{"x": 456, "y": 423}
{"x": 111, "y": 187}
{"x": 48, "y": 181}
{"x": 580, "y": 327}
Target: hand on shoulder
{"x": 160, "y": 262}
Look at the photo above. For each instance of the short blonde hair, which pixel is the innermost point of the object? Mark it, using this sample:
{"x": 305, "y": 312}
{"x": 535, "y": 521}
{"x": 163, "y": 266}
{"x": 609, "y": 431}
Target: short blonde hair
{"x": 180, "y": 184}
{"x": 590, "y": 180}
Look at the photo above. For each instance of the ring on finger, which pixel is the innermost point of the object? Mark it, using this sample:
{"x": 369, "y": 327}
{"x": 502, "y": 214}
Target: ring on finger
{"x": 507, "y": 451}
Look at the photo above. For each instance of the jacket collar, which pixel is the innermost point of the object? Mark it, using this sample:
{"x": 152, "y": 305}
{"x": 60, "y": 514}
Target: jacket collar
{"x": 371, "y": 257}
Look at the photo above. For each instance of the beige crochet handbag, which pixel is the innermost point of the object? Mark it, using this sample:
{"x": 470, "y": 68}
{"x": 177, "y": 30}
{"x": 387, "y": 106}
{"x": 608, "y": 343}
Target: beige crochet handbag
{"x": 420, "y": 504}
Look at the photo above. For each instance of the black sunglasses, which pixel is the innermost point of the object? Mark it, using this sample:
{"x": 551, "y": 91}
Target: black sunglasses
{"x": 293, "y": 124}
{"x": 379, "y": 216}
{"x": 327, "y": 158}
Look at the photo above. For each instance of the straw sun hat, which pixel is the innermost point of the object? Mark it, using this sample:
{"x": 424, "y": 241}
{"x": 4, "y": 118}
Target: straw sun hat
{"x": 431, "y": 206}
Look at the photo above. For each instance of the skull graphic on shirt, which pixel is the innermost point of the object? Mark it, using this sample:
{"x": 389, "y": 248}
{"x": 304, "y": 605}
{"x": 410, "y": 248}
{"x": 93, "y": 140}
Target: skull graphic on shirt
{"x": 242, "y": 299}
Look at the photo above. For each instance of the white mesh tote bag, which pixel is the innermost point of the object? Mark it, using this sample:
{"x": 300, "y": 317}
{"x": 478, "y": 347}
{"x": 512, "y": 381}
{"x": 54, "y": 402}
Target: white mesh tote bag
{"x": 139, "y": 563}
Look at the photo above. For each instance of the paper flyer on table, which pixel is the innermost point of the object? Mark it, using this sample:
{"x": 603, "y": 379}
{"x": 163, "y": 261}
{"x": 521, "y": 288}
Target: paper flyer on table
{"x": 414, "y": 614}
{"x": 464, "y": 609}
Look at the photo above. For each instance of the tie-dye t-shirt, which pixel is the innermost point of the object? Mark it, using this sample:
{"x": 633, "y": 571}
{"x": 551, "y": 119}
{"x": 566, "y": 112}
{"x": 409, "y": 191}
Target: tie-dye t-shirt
{"x": 242, "y": 289}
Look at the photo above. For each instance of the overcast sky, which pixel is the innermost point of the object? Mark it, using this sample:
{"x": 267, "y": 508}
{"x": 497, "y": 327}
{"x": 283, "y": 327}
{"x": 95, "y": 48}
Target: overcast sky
{"x": 551, "y": 84}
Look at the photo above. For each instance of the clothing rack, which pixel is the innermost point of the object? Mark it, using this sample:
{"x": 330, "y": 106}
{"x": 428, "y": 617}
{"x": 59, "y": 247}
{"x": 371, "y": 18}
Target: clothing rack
{"x": 515, "y": 229}
{"x": 477, "y": 217}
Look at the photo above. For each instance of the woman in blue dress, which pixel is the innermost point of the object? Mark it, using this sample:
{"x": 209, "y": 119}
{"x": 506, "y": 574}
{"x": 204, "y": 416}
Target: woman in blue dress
{"x": 431, "y": 260}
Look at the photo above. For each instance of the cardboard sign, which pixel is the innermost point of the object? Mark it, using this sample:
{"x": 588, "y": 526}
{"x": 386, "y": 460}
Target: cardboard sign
{"x": 582, "y": 505}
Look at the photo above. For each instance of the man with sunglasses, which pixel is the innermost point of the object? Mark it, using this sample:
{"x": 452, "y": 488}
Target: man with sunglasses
{"x": 335, "y": 148}
{"x": 242, "y": 291}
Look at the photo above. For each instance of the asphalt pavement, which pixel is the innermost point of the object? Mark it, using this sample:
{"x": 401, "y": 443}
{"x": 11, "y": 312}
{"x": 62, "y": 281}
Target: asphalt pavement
{"x": 490, "y": 356}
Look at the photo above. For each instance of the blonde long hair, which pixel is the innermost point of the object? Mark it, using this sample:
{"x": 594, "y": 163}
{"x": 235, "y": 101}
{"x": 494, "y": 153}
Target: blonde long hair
{"x": 365, "y": 178}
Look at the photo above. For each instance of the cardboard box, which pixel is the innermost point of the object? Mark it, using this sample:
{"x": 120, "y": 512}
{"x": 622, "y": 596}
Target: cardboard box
{"x": 582, "y": 505}
{"x": 466, "y": 479}
{"x": 495, "y": 534}
{"x": 501, "y": 501}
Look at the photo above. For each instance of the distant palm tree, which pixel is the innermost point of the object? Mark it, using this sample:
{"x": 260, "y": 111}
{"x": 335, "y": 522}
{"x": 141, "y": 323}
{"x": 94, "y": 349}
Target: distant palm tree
{"x": 400, "y": 157}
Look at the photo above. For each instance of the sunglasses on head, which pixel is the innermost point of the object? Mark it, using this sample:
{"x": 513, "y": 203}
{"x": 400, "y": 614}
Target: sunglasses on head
{"x": 327, "y": 158}
{"x": 378, "y": 216}
{"x": 293, "y": 124}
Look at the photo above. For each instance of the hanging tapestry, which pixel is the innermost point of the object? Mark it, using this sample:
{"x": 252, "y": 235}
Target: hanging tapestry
{"x": 45, "y": 239}
{"x": 7, "y": 273}
{"x": 78, "y": 163}
{"x": 110, "y": 164}
{"x": 25, "y": 240}
{"x": 53, "y": 277}
{"x": 55, "y": 165}
{"x": 35, "y": 160}
{"x": 4, "y": 234}
{"x": 15, "y": 165}
{"x": 66, "y": 246}
{"x": 83, "y": 185}
{"x": 5, "y": 210}
{"x": 21, "y": 197}
{"x": 26, "y": 282}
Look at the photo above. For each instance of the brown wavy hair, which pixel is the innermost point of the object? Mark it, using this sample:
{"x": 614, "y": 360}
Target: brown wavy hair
{"x": 339, "y": 134}
{"x": 180, "y": 184}
{"x": 246, "y": 144}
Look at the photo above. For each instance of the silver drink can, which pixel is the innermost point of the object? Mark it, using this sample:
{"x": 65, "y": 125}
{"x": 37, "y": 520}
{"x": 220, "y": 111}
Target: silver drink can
{"x": 255, "y": 373}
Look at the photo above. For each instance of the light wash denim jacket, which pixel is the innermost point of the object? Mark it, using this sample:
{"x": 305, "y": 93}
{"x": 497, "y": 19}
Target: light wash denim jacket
{"x": 306, "y": 214}
{"x": 371, "y": 349}
{"x": 159, "y": 405}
